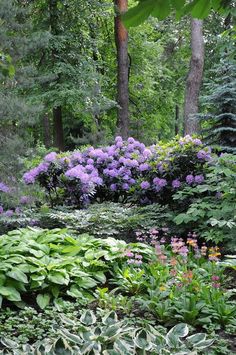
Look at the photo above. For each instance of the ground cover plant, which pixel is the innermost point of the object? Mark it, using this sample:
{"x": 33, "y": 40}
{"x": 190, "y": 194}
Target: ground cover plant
{"x": 169, "y": 280}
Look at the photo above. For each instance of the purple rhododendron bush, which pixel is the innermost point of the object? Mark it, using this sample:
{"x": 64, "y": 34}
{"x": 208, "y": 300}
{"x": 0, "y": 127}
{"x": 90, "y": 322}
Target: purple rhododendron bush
{"x": 126, "y": 171}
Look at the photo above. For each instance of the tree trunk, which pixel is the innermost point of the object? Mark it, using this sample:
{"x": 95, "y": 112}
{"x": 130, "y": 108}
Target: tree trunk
{"x": 121, "y": 38}
{"x": 176, "y": 120}
{"x": 46, "y": 131}
{"x": 194, "y": 79}
{"x": 57, "y": 111}
{"x": 58, "y": 128}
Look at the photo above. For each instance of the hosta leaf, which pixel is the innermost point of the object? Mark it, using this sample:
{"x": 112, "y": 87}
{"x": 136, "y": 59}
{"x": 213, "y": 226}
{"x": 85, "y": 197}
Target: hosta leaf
{"x": 204, "y": 344}
{"x": 43, "y": 300}
{"x": 112, "y": 331}
{"x": 74, "y": 292}
{"x": 59, "y": 278}
{"x": 87, "y": 282}
{"x": 177, "y": 332}
{"x": 123, "y": 347}
{"x": 18, "y": 275}
{"x": 71, "y": 337}
{"x": 110, "y": 318}
{"x": 88, "y": 318}
{"x": 10, "y": 293}
{"x": 142, "y": 340}
{"x": 8, "y": 343}
{"x": 100, "y": 276}
{"x": 196, "y": 338}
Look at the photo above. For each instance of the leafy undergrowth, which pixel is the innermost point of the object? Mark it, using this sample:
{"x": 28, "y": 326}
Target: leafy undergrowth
{"x": 158, "y": 282}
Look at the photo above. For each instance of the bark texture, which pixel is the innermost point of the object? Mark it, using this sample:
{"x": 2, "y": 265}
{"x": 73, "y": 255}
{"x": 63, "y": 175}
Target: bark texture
{"x": 46, "y": 131}
{"x": 58, "y": 128}
{"x": 194, "y": 79}
{"x": 121, "y": 39}
{"x": 58, "y": 134}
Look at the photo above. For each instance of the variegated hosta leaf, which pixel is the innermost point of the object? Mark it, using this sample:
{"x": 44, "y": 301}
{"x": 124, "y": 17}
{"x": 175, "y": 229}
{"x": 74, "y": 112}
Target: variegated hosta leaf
{"x": 88, "y": 318}
{"x": 110, "y": 318}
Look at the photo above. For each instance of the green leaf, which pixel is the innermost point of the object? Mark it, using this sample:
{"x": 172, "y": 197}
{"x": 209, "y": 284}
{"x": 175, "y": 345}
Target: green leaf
{"x": 88, "y": 318}
{"x": 138, "y": 14}
{"x": 87, "y": 282}
{"x": 201, "y": 9}
{"x": 178, "y": 4}
{"x": 142, "y": 340}
{"x": 43, "y": 300}
{"x": 18, "y": 275}
{"x": 75, "y": 292}
{"x": 72, "y": 337}
{"x": 10, "y": 293}
{"x": 110, "y": 318}
{"x": 60, "y": 278}
{"x": 162, "y": 9}
{"x": 196, "y": 338}
{"x": 179, "y": 331}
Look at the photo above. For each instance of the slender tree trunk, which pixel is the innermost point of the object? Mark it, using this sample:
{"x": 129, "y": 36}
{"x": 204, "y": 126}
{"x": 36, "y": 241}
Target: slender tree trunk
{"x": 194, "y": 79}
{"x": 57, "y": 110}
{"x": 121, "y": 38}
{"x": 46, "y": 131}
{"x": 58, "y": 128}
{"x": 176, "y": 119}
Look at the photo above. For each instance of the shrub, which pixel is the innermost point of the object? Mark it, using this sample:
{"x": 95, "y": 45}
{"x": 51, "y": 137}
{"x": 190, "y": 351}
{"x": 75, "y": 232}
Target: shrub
{"x": 209, "y": 208}
{"x": 124, "y": 171}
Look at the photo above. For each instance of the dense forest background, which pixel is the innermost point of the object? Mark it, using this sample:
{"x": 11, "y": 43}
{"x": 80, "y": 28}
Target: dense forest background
{"x": 62, "y": 90}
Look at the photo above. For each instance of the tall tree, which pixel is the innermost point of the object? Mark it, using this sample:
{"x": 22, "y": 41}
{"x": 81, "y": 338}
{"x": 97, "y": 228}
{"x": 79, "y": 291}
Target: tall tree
{"x": 57, "y": 109}
{"x": 194, "y": 79}
{"x": 121, "y": 39}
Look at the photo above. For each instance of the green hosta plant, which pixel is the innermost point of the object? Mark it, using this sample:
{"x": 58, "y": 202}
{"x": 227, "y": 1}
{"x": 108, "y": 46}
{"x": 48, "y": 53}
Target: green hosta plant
{"x": 48, "y": 264}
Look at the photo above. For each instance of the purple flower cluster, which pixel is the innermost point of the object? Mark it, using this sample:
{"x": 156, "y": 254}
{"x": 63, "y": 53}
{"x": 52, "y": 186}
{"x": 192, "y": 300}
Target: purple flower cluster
{"x": 4, "y": 188}
{"x": 123, "y": 169}
{"x": 191, "y": 179}
{"x": 204, "y": 154}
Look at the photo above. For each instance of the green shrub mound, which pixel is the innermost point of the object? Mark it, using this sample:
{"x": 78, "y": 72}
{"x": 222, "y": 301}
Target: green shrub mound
{"x": 47, "y": 264}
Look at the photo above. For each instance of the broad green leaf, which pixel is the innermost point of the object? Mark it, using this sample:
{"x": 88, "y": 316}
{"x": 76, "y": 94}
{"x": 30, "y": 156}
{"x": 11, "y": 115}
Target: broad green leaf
{"x": 10, "y": 293}
{"x": 43, "y": 300}
{"x": 87, "y": 282}
{"x": 162, "y": 9}
{"x": 75, "y": 292}
{"x": 138, "y": 14}
{"x": 178, "y": 4}
{"x": 60, "y": 278}
{"x": 18, "y": 275}
{"x": 201, "y": 9}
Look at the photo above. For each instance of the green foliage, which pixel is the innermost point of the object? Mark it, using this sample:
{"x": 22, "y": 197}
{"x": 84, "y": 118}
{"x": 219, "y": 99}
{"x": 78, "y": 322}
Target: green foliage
{"x": 109, "y": 219}
{"x": 162, "y": 9}
{"x": 219, "y": 123}
{"x": 210, "y": 208}
{"x": 105, "y": 333}
{"x": 51, "y": 263}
